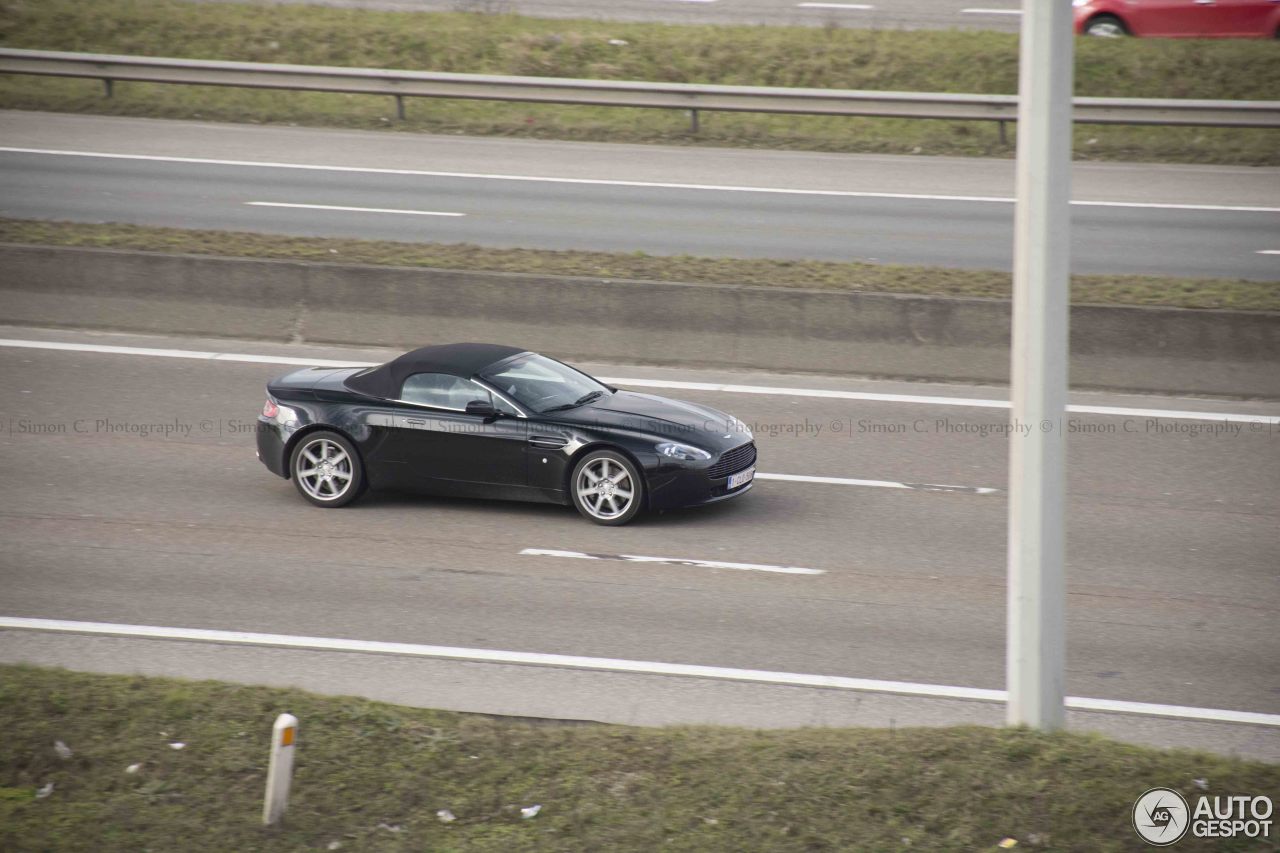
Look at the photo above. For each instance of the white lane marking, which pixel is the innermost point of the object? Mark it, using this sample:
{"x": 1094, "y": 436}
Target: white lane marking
{"x": 854, "y": 6}
{"x": 969, "y": 402}
{"x": 879, "y": 484}
{"x": 804, "y": 392}
{"x": 315, "y": 362}
{"x": 614, "y": 183}
{"x": 992, "y": 11}
{"x": 182, "y": 353}
{"x": 902, "y": 688}
{"x": 1164, "y": 206}
{"x": 1269, "y": 252}
{"x": 673, "y": 561}
{"x": 319, "y": 362}
{"x": 352, "y": 209}
{"x": 1173, "y": 206}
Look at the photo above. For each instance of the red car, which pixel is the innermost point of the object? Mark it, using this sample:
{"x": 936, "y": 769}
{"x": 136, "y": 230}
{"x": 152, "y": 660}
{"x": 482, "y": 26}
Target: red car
{"x": 1178, "y": 18}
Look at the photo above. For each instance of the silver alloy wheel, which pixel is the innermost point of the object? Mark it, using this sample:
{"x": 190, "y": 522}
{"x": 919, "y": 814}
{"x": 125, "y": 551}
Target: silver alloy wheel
{"x": 329, "y": 475}
{"x": 605, "y": 488}
{"x": 1107, "y": 28}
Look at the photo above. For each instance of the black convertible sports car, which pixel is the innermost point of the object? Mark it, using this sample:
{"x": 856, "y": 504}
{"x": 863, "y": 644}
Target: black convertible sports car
{"x": 492, "y": 421}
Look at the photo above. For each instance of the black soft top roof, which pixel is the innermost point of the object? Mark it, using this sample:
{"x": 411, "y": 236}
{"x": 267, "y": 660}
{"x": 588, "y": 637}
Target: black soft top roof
{"x": 464, "y": 360}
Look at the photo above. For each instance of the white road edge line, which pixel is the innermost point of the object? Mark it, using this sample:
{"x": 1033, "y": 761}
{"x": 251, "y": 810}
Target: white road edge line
{"x": 672, "y": 561}
{"x": 879, "y": 484}
{"x": 991, "y": 11}
{"x": 351, "y": 209}
{"x": 1269, "y": 251}
{"x": 857, "y": 7}
{"x": 615, "y": 183}
{"x": 181, "y": 353}
{"x": 966, "y": 402}
{"x": 901, "y": 688}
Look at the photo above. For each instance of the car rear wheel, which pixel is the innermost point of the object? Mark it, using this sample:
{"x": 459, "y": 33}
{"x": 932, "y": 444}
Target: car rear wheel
{"x": 607, "y": 488}
{"x": 1106, "y": 26}
{"x": 327, "y": 470}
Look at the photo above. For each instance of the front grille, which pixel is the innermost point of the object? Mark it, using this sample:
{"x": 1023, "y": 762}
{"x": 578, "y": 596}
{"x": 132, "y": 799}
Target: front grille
{"x": 733, "y": 461}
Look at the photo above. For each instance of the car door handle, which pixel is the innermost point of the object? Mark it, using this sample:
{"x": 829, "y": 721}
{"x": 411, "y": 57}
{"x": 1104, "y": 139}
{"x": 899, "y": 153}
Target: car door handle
{"x": 415, "y": 422}
{"x": 1205, "y": 2}
{"x": 548, "y": 442}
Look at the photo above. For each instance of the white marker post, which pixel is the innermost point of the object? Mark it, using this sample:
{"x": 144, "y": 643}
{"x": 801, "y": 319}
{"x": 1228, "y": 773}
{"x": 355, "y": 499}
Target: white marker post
{"x": 1036, "y": 658}
{"x": 284, "y": 734}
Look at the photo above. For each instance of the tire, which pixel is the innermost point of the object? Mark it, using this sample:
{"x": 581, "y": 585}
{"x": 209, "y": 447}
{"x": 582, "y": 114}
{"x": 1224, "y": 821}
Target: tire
{"x": 336, "y": 484}
{"x": 1106, "y": 26}
{"x": 607, "y": 488}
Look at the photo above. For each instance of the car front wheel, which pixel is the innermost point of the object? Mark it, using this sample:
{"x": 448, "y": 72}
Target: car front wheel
{"x": 326, "y": 469}
{"x": 1106, "y": 26}
{"x": 607, "y": 488}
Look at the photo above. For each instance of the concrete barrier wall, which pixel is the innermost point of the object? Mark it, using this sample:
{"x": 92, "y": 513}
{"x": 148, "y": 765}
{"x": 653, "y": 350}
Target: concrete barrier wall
{"x": 1130, "y": 348}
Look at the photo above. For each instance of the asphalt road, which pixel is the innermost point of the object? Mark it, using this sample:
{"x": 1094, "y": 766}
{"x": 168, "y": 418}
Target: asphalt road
{"x": 864, "y": 14}
{"x": 1128, "y": 218}
{"x": 1173, "y": 587}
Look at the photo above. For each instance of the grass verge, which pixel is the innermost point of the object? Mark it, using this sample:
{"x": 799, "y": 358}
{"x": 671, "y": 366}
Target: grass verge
{"x": 879, "y": 278}
{"x": 926, "y": 61}
{"x": 372, "y": 776}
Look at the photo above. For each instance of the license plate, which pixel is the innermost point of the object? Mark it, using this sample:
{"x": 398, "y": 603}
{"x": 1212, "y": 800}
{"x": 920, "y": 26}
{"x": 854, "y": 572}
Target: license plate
{"x": 741, "y": 478}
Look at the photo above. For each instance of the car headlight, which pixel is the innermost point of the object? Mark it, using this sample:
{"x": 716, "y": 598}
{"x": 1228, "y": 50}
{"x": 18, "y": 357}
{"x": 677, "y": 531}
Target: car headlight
{"x": 1081, "y": 2}
{"x": 682, "y": 451}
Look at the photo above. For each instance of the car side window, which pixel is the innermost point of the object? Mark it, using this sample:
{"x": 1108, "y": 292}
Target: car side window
{"x": 441, "y": 390}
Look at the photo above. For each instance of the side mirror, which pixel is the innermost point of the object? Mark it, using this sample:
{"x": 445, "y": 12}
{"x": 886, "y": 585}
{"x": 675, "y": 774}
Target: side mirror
{"x": 483, "y": 408}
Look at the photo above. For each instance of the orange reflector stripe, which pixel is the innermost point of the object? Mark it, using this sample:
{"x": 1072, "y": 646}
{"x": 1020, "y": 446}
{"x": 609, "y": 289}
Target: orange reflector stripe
{"x": 286, "y": 736}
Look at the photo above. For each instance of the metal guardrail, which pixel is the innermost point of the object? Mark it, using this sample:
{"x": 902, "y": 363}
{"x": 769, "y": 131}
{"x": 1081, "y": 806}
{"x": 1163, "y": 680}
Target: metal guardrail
{"x": 621, "y": 93}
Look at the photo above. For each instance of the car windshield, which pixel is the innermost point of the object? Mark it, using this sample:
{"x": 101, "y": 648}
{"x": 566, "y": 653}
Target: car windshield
{"x": 541, "y": 384}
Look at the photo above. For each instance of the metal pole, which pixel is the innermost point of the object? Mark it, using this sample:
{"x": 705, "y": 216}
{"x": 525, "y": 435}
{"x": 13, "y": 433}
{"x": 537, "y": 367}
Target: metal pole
{"x": 1036, "y": 659}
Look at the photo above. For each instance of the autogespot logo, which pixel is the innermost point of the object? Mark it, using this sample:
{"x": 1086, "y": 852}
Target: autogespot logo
{"x": 1161, "y": 816}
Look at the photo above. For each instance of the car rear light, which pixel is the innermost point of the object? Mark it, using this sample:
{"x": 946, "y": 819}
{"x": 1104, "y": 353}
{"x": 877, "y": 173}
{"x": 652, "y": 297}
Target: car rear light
{"x": 270, "y": 409}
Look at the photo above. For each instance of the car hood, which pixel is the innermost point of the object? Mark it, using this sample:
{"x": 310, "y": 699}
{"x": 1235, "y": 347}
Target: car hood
{"x": 677, "y": 420}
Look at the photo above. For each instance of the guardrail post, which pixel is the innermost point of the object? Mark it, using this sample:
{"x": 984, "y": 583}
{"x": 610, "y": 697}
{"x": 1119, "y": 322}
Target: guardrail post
{"x": 693, "y": 122}
{"x": 1004, "y": 138}
{"x": 400, "y": 107}
{"x": 284, "y": 734}
{"x": 108, "y": 87}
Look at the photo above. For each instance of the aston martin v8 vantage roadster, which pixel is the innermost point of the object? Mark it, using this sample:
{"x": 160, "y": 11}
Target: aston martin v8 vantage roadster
{"x": 490, "y": 421}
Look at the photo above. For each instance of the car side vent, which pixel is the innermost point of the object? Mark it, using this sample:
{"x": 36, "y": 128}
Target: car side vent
{"x": 548, "y": 442}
